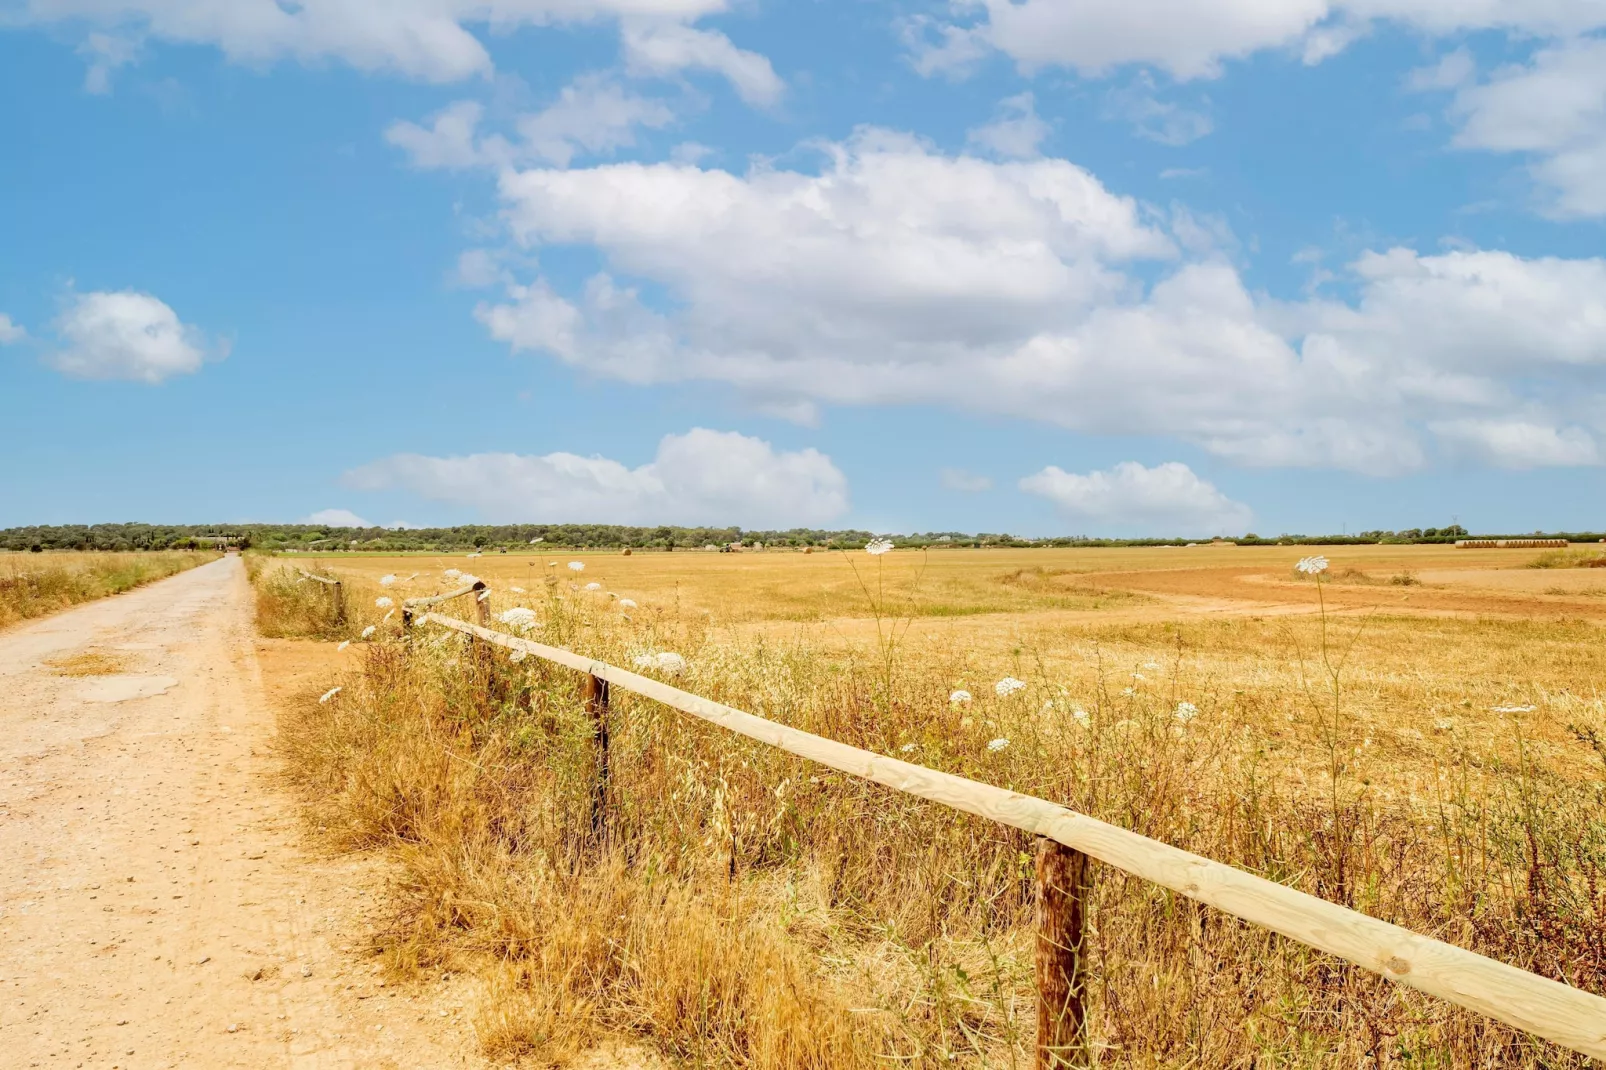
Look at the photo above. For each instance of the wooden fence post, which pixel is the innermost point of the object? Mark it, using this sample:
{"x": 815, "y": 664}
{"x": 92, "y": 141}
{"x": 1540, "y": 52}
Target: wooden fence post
{"x": 596, "y": 703}
{"x": 340, "y": 602}
{"x": 1063, "y": 883}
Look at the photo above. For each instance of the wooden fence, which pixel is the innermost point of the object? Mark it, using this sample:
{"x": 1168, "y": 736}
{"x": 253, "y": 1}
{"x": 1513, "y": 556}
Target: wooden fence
{"x": 1067, "y": 840}
{"x": 337, "y": 592}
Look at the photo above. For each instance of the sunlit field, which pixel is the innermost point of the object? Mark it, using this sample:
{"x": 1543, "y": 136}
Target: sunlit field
{"x": 32, "y": 585}
{"x": 1419, "y": 735}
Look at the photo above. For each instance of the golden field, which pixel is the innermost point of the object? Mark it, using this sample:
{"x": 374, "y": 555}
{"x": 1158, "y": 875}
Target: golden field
{"x": 1421, "y": 736}
{"x": 32, "y": 585}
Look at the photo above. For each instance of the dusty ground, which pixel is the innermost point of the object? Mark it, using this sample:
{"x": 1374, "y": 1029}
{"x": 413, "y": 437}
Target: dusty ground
{"x": 158, "y": 906}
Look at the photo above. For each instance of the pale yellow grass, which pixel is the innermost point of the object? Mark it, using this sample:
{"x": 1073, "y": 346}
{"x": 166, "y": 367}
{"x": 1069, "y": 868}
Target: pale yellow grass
{"x": 33, "y": 585}
{"x": 748, "y": 910}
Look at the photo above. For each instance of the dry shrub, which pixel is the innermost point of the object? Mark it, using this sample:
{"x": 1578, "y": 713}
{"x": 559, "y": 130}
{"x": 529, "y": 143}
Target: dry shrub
{"x": 749, "y": 909}
{"x": 32, "y": 585}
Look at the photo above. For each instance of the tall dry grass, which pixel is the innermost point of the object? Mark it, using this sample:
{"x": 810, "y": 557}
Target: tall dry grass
{"x": 33, "y": 585}
{"x": 748, "y": 909}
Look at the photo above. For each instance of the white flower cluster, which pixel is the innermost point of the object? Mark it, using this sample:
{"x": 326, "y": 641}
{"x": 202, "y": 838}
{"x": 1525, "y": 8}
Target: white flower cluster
{"x": 1186, "y": 711}
{"x": 997, "y": 745}
{"x": 627, "y": 603}
{"x": 593, "y": 586}
{"x": 519, "y": 619}
{"x": 959, "y": 696}
{"x": 1008, "y": 686}
{"x": 383, "y": 602}
{"x": 451, "y": 574}
{"x": 387, "y": 579}
{"x": 368, "y": 632}
{"x": 1312, "y": 566}
{"x": 673, "y": 664}
{"x": 577, "y": 566}
{"x": 877, "y": 547}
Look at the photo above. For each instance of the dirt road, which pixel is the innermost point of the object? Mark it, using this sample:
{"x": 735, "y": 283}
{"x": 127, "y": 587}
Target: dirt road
{"x": 156, "y": 906}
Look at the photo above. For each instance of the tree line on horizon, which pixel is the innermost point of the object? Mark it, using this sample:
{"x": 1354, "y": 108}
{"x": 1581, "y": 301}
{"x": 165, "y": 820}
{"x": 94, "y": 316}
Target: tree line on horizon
{"x": 321, "y": 538}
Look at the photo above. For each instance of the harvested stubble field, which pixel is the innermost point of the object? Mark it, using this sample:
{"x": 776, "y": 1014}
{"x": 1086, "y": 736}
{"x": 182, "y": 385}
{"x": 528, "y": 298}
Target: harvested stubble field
{"x": 1430, "y": 750}
{"x": 32, "y": 585}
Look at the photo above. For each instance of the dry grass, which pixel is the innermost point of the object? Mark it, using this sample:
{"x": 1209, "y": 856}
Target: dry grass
{"x": 90, "y": 663}
{"x": 32, "y": 585}
{"x": 747, "y": 909}
{"x": 1570, "y": 558}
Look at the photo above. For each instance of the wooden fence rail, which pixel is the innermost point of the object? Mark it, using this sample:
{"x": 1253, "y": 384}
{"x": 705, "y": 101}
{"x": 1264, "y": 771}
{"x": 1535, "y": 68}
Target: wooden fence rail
{"x": 1558, "y": 1012}
{"x": 337, "y": 591}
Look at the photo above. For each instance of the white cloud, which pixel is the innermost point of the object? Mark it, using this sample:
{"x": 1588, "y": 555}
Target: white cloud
{"x": 1552, "y": 109}
{"x": 701, "y": 477}
{"x": 10, "y": 331}
{"x": 896, "y": 275}
{"x": 1153, "y": 119}
{"x": 1193, "y": 40}
{"x": 128, "y": 335}
{"x": 1166, "y": 499}
{"x": 1517, "y": 443}
{"x": 592, "y": 115}
{"x": 336, "y": 518}
{"x": 105, "y": 53}
{"x": 964, "y": 482}
{"x": 1453, "y": 69}
{"x": 663, "y": 48}
{"x": 426, "y": 39}
{"x": 1015, "y": 132}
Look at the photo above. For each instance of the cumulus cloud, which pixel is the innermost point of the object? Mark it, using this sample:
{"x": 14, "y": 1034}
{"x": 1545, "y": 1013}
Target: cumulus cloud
{"x": 663, "y": 48}
{"x": 593, "y": 115}
{"x": 1518, "y": 444}
{"x": 701, "y": 477}
{"x": 428, "y": 40}
{"x": 10, "y": 331}
{"x": 898, "y": 275}
{"x": 1193, "y": 40}
{"x": 128, "y": 335}
{"x": 1551, "y": 109}
{"x": 1168, "y": 498}
{"x": 336, "y": 518}
{"x": 1015, "y": 132}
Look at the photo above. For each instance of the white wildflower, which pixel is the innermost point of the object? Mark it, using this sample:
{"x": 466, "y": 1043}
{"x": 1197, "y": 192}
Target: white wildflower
{"x": 329, "y": 694}
{"x": 1512, "y": 709}
{"x": 383, "y": 602}
{"x": 1151, "y": 665}
{"x": 520, "y": 619}
{"x": 368, "y": 631}
{"x": 627, "y": 603}
{"x": 344, "y": 643}
{"x": 451, "y": 574}
{"x": 959, "y": 696}
{"x": 1128, "y": 691}
{"x": 593, "y": 586}
{"x": 997, "y": 745}
{"x": 1079, "y": 715}
{"x": 518, "y": 656}
{"x": 387, "y": 579}
{"x": 909, "y": 748}
{"x": 1444, "y": 724}
{"x": 1186, "y": 711}
{"x": 1008, "y": 686}
{"x": 877, "y": 547}
{"x": 467, "y": 579}
{"x": 673, "y": 664}
{"x": 476, "y": 553}
{"x": 1137, "y": 676}
{"x": 577, "y": 566}
{"x": 1312, "y": 566}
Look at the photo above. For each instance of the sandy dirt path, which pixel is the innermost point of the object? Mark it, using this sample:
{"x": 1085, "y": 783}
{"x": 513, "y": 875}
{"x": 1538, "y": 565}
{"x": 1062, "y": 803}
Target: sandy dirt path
{"x": 157, "y": 908}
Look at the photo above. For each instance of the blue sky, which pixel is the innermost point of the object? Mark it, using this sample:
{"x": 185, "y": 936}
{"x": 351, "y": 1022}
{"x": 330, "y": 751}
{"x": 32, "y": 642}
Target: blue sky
{"x": 1104, "y": 266}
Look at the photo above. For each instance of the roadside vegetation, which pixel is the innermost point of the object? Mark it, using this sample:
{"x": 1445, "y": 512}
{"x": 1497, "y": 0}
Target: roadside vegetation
{"x": 738, "y": 907}
{"x": 32, "y": 585}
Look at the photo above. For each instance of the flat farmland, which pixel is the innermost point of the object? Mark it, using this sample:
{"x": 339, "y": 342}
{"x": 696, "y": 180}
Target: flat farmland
{"x": 1419, "y": 735}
